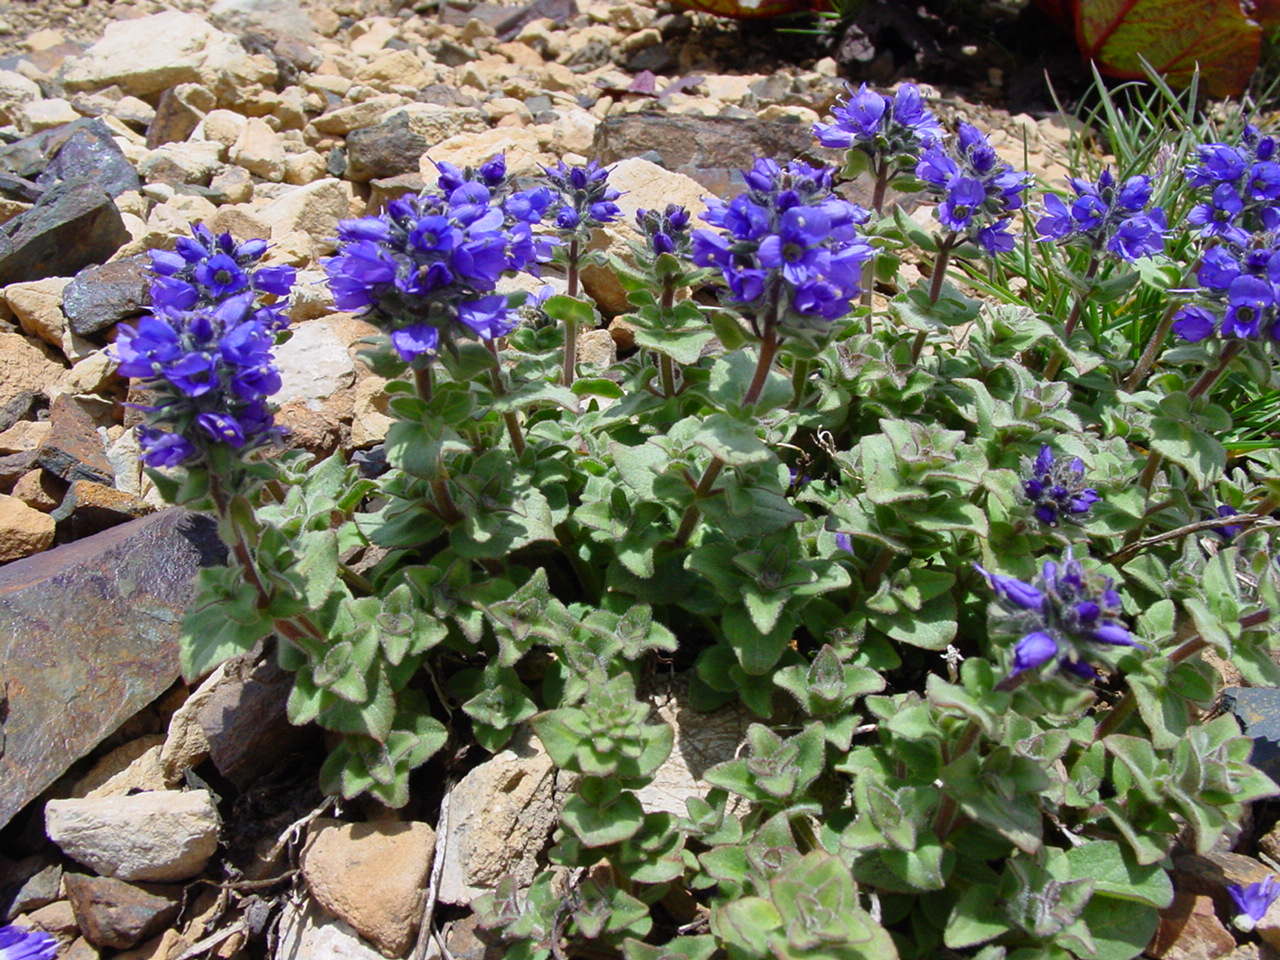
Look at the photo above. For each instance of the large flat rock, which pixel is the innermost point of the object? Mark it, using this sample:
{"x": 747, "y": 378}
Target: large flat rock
{"x": 88, "y": 637}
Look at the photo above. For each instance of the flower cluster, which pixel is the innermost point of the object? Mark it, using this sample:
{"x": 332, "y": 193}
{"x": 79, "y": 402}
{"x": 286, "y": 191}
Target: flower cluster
{"x": 1240, "y": 292}
{"x": 1061, "y": 614}
{"x": 1055, "y": 488}
{"x": 426, "y": 267}
{"x": 205, "y": 351}
{"x": 1106, "y": 215}
{"x": 1243, "y": 186}
{"x": 788, "y": 248}
{"x": 17, "y": 943}
{"x": 204, "y": 270}
{"x": 582, "y": 198}
{"x": 666, "y": 231}
{"x": 894, "y": 128}
{"x": 210, "y": 372}
{"x": 978, "y": 189}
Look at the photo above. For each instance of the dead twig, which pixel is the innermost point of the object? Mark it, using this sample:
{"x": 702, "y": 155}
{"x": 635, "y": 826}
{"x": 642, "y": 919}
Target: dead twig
{"x": 425, "y": 930}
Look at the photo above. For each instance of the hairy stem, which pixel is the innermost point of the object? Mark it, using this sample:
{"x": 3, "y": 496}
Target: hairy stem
{"x": 570, "y": 326}
{"x": 935, "y": 288}
{"x": 689, "y": 522}
{"x": 1073, "y": 318}
{"x": 499, "y": 390}
{"x": 422, "y": 381}
{"x": 1148, "y": 358}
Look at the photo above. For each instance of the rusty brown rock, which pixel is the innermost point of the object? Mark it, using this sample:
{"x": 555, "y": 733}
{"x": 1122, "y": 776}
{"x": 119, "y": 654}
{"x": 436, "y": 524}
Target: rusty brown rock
{"x": 136, "y": 580}
{"x": 112, "y": 913}
{"x": 73, "y": 450}
{"x": 1190, "y": 930}
{"x": 89, "y": 508}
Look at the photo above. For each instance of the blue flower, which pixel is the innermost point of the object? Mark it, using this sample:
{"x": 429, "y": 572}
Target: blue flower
{"x": 207, "y": 269}
{"x": 1055, "y": 488}
{"x": 19, "y": 944}
{"x": 425, "y": 269}
{"x": 977, "y": 190}
{"x": 210, "y": 371}
{"x": 1106, "y": 216}
{"x": 895, "y": 128}
{"x": 1253, "y": 900}
{"x": 1063, "y": 616}
{"x": 581, "y": 198}
{"x": 788, "y": 248}
{"x": 1228, "y": 531}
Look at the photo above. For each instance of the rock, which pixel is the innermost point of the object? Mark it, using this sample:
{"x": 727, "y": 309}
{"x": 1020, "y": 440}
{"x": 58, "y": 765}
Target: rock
{"x": 73, "y": 450}
{"x": 40, "y": 115}
{"x": 149, "y": 54}
{"x": 27, "y": 370}
{"x": 38, "y": 306}
{"x": 370, "y": 416}
{"x": 316, "y": 362}
{"x": 185, "y": 743}
{"x": 310, "y": 935}
{"x": 178, "y": 113}
{"x": 1190, "y": 930}
{"x": 709, "y": 150}
{"x": 24, "y": 530}
{"x": 131, "y": 767}
{"x": 28, "y": 884}
{"x": 245, "y": 722}
{"x": 391, "y": 147}
{"x": 194, "y": 162}
{"x": 275, "y": 18}
{"x": 71, "y": 226}
{"x": 259, "y": 150}
{"x": 314, "y": 210}
{"x": 644, "y": 186}
{"x": 136, "y": 578}
{"x": 57, "y": 918}
{"x": 303, "y": 168}
{"x": 88, "y": 508}
{"x": 119, "y": 915}
{"x": 15, "y": 90}
{"x": 371, "y": 876}
{"x": 81, "y": 949}
{"x": 354, "y": 116}
{"x": 39, "y": 489}
{"x": 160, "y": 836}
{"x": 596, "y": 349}
{"x": 89, "y": 153}
{"x": 500, "y": 816}
{"x": 396, "y": 68}
{"x": 24, "y": 435}
{"x": 101, "y": 295}
{"x": 520, "y": 144}
{"x": 1258, "y": 710}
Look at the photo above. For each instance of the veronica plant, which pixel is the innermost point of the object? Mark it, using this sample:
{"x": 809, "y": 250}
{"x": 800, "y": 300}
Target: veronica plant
{"x": 798, "y": 518}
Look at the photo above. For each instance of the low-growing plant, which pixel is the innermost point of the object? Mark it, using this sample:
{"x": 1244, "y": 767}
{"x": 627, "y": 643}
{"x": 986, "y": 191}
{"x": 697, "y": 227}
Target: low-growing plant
{"x": 959, "y": 550}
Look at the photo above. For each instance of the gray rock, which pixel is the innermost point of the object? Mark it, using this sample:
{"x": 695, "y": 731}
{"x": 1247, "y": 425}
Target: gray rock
{"x": 28, "y": 884}
{"x": 245, "y": 722}
{"x": 1258, "y": 710}
{"x": 101, "y": 295}
{"x": 90, "y": 155}
{"x": 112, "y": 913}
{"x": 384, "y": 150}
{"x": 158, "y": 836}
{"x": 71, "y": 226}
{"x": 136, "y": 578}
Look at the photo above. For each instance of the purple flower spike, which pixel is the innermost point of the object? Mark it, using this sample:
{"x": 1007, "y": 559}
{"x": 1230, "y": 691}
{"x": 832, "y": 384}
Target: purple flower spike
{"x": 17, "y": 943}
{"x": 1253, "y": 900}
{"x": 1106, "y": 217}
{"x": 975, "y": 188}
{"x": 1055, "y": 488}
{"x": 1077, "y": 615}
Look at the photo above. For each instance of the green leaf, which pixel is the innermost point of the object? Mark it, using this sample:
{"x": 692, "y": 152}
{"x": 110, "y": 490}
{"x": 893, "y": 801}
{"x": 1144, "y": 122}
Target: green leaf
{"x": 973, "y": 921}
{"x": 731, "y": 440}
{"x": 570, "y": 309}
{"x": 1120, "y": 928}
{"x": 1115, "y": 872}
{"x": 1190, "y": 447}
{"x": 596, "y": 826}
